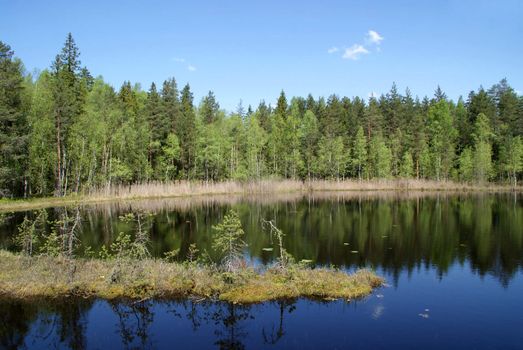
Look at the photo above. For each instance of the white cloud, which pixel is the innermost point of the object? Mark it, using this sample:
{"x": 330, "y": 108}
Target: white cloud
{"x": 178, "y": 59}
{"x": 191, "y": 68}
{"x": 372, "y": 41}
{"x": 354, "y": 52}
{"x": 373, "y": 37}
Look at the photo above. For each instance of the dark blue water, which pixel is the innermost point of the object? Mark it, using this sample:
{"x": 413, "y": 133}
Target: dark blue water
{"x": 455, "y": 282}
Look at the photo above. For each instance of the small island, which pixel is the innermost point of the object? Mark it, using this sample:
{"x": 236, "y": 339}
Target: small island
{"x": 126, "y": 270}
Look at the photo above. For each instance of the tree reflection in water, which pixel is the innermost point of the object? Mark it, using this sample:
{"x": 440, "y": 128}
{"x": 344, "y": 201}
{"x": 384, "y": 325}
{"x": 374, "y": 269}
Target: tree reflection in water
{"x": 53, "y": 324}
{"x": 276, "y": 334}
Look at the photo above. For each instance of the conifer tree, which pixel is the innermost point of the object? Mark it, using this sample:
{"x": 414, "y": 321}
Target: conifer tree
{"x": 209, "y": 108}
{"x": 13, "y": 126}
{"x": 186, "y": 131}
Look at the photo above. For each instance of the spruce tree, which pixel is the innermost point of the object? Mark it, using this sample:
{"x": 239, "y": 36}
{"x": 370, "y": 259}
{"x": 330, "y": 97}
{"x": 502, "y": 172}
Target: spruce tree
{"x": 209, "y": 108}
{"x": 13, "y": 126}
{"x": 68, "y": 96}
{"x": 186, "y": 131}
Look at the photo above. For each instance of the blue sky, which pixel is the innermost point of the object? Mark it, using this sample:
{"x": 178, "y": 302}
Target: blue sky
{"x": 250, "y": 50}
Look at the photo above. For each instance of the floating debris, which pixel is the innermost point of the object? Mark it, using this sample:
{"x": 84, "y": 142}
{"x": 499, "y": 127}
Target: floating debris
{"x": 330, "y": 299}
{"x": 427, "y": 310}
{"x": 462, "y": 245}
{"x": 379, "y": 296}
{"x": 354, "y": 251}
{"x": 424, "y": 315}
{"x": 268, "y": 249}
{"x": 306, "y": 261}
{"x": 384, "y": 236}
{"x": 345, "y": 243}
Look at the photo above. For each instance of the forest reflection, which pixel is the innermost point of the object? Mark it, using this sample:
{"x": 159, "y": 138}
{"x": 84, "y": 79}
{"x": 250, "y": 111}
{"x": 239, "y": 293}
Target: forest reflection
{"x": 52, "y": 324}
{"x": 392, "y": 231}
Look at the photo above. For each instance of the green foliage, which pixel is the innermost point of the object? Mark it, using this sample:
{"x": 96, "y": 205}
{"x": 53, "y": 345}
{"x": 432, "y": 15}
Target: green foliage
{"x": 380, "y": 157}
{"x": 170, "y": 158}
{"x": 332, "y": 157}
{"x": 30, "y": 231}
{"x": 310, "y": 134}
{"x": 52, "y": 244}
{"x": 483, "y": 168}
{"x": 441, "y": 135}
{"x": 466, "y": 165}
{"x": 407, "y": 165}
{"x": 171, "y": 255}
{"x": 65, "y": 132}
{"x": 13, "y": 125}
{"x": 512, "y": 157}
{"x": 359, "y": 152}
{"x": 137, "y": 248}
{"x": 228, "y": 241}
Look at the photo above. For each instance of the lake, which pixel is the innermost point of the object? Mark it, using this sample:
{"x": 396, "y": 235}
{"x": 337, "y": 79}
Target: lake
{"x": 453, "y": 265}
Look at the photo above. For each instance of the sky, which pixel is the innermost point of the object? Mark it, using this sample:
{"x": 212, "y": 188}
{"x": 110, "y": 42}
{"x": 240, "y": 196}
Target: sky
{"x": 251, "y": 50}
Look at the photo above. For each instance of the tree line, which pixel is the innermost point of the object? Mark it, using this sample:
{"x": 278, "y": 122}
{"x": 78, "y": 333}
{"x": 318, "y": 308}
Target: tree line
{"x": 64, "y": 131}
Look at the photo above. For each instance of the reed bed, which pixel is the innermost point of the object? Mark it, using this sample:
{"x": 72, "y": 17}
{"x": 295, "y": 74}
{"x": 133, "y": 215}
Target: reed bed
{"x": 270, "y": 187}
{"x": 192, "y": 188}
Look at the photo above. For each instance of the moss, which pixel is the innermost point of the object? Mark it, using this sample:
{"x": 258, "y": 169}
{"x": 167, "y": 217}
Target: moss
{"x": 302, "y": 282}
{"x": 23, "y": 277}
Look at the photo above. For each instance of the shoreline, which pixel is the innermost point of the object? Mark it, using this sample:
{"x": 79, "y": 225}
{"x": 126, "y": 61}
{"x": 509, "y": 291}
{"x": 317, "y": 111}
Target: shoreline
{"x": 44, "y": 277}
{"x": 187, "y": 189}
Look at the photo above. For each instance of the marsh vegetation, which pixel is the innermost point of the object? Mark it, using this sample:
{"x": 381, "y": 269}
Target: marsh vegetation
{"x": 46, "y": 267}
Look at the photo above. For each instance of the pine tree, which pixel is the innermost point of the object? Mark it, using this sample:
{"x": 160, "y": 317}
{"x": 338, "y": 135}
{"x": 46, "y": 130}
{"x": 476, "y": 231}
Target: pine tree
{"x": 229, "y": 240}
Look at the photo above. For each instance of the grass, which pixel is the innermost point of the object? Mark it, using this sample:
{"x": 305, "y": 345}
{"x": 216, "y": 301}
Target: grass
{"x": 194, "y": 188}
{"x": 23, "y": 277}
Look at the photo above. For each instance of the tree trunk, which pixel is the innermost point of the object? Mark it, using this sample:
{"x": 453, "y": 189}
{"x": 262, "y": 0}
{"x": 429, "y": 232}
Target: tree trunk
{"x": 58, "y": 169}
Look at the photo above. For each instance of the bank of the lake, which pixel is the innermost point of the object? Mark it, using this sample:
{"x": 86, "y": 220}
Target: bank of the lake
{"x": 24, "y": 277}
{"x": 198, "y": 188}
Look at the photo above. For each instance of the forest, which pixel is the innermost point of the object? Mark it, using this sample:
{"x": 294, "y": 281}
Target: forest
{"x": 64, "y": 131}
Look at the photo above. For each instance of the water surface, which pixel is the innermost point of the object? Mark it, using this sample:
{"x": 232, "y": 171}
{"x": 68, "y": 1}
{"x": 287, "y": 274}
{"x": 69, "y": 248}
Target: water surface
{"x": 453, "y": 264}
